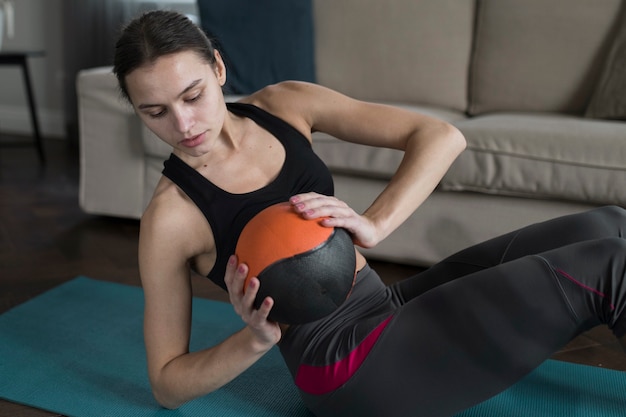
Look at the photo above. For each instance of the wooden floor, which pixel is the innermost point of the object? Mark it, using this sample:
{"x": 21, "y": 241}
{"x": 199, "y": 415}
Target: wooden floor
{"x": 45, "y": 240}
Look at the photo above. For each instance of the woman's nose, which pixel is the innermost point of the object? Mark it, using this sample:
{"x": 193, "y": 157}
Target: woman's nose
{"x": 184, "y": 120}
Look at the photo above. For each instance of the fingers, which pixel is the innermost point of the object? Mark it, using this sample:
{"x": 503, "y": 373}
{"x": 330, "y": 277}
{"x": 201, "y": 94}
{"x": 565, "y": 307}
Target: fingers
{"x": 235, "y": 276}
{"x": 265, "y": 308}
{"x": 266, "y": 332}
{"x": 336, "y": 213}
{"x": 313, "y": 205}
{"x": 242, "y": 298}
{"x": 332, "y": 211}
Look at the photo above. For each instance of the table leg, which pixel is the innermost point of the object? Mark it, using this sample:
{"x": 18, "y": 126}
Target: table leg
{"x": 33, "y": 111}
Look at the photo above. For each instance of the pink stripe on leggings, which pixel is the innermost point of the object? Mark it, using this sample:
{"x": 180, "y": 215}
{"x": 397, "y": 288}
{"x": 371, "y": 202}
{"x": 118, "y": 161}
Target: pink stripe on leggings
{"x": 318, "y": 380}
{"x": 580, "y": 284}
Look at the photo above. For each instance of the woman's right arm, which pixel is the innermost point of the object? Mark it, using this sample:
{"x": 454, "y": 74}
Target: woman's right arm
{"x": 177, "y": 375}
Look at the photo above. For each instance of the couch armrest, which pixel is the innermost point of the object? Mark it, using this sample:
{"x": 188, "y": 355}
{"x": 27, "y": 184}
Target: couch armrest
{"x": 112, "y": 165}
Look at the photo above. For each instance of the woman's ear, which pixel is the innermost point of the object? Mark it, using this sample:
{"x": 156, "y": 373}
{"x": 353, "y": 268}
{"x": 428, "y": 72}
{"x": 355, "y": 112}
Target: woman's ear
{"x": 220, "y": 68}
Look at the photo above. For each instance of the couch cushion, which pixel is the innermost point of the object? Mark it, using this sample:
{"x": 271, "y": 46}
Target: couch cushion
{"x": 542, "y": 156}
{"x": 538, "y": 55}
{"x": 609, "y": 98}
{"x": 423, "y": 60}
{"x": 153, "y": 146}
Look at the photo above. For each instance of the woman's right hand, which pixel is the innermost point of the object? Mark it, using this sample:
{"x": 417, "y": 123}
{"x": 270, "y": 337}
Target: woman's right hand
{"x": 267, "y": 332}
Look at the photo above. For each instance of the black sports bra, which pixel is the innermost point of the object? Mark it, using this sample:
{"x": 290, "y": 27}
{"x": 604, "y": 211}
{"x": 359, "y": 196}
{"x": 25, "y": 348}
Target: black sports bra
{"x": 228, "y": 213}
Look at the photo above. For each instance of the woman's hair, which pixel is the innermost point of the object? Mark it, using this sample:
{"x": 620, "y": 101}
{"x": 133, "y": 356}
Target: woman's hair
{"x": 153, "y": 35}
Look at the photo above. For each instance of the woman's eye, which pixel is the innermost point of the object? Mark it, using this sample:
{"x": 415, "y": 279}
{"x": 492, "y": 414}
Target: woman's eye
{"x": 157, "y": 115}
{"x": 194, "y": 98}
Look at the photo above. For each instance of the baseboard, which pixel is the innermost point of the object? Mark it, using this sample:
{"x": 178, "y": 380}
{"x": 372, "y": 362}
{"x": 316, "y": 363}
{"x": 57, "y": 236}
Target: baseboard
{"x": 16, "y": 120}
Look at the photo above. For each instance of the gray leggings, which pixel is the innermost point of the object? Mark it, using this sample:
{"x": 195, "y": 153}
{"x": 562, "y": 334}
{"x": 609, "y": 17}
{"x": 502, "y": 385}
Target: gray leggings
{"x": 452, "y": 343}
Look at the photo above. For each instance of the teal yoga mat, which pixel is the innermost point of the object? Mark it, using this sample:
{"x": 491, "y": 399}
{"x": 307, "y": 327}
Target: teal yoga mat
{"x": 78, "y": 350}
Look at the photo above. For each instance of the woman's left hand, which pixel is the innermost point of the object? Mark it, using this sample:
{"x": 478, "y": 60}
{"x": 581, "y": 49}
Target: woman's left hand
{"x": 337, "y": 213}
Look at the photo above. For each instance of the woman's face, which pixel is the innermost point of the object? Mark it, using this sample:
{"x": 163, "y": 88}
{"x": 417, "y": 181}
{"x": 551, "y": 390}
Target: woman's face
{"x": 179, "y": 98}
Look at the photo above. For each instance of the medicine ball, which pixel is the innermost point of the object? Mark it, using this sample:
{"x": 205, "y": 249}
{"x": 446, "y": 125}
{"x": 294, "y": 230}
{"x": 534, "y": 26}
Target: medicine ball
{"x": 308, "y": 269}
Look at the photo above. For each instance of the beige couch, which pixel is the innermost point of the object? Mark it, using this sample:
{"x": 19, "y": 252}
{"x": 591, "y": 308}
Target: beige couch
{"x": 515, "y": 76}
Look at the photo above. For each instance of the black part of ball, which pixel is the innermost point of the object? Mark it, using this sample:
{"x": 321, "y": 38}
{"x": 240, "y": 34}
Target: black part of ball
{"x": 311, "y": 285}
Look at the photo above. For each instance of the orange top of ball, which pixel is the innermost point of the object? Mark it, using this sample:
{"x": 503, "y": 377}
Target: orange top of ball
{"x": 277, "y": 233}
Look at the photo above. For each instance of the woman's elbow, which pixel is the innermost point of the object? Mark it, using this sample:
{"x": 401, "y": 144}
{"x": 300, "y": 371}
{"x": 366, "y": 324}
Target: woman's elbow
{"x": 164, "y": 397}
{"x": 163, "y": 401}
{"x": 443, "y": 136}
{"x": 455, "y": 138}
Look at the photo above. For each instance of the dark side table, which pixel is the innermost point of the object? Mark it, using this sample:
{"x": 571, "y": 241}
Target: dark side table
{"x": 20, "y": 58}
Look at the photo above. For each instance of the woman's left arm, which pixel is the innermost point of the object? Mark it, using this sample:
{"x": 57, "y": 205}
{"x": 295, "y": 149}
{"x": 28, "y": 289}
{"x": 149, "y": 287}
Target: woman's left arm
{"x": 429, "y": 145}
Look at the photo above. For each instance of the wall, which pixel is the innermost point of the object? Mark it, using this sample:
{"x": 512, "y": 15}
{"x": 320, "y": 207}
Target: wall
{"x": 37, "y": 27}
{"x": 54, "y": 27}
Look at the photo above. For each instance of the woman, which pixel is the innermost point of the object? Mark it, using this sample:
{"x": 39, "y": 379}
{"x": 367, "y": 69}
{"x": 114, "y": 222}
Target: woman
{"x": 430, "y": 345}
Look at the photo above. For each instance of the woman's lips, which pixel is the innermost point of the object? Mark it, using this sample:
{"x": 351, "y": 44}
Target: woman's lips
{"x": 192, "y": 142}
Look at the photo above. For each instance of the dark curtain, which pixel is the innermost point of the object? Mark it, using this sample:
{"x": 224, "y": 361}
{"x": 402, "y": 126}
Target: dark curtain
{"x": 262, "y": 41}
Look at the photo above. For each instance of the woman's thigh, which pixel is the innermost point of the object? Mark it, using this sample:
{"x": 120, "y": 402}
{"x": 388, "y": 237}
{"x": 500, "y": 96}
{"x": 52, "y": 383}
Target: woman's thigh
{"x": 609, "y": 221}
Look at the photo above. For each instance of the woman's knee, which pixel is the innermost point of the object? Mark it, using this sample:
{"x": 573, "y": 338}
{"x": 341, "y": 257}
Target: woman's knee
{"x": 615, "y": 213}
{"x": 613, "y": 217}
{"x": 615, "y": 246}
{"x": 610, "y": 250}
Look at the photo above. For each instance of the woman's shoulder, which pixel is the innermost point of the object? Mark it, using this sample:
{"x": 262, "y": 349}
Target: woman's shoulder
{"x": 171, "y": 217}
{"x": 282, "y": 88}
{"x": 296, "y": 102}
{"x": 286, "y": 94}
